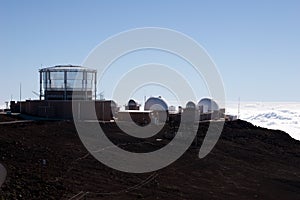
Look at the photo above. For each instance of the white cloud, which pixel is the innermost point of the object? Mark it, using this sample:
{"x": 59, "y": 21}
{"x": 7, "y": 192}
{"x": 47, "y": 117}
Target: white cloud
{"x": 281, "y": 116}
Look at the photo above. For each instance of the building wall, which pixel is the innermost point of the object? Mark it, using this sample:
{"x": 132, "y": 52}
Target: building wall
{"x": 84, "y": 110}
{"x": 137, "y": 117}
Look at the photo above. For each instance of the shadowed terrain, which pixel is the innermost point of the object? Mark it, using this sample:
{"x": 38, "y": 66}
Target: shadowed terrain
{"x": 46, "y": 160}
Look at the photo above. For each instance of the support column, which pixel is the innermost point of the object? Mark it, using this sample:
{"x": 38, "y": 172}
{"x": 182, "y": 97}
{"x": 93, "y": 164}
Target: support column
{"x": 46, "y": 85}
{"x": 41, "y": 85}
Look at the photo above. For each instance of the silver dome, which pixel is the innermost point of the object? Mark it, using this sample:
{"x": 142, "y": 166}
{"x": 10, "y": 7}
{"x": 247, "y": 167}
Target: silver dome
{"x": 190, "y": 105}
{"x": 132, "y": 102}
{"x": 208, "y": 105}
{"x": 156, "y": 104}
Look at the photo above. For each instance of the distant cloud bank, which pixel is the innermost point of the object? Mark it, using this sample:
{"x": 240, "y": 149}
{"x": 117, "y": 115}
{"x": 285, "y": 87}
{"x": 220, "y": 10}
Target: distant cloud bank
{"x": 281, "y": 116}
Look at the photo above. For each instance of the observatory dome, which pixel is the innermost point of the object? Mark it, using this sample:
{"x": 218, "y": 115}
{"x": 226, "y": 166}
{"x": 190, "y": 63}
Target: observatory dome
{"x": 208, "y": 105}
{"x": 156, "y": 104}
{"x": 132, "y": 103}
{"x": 190, "y": 105}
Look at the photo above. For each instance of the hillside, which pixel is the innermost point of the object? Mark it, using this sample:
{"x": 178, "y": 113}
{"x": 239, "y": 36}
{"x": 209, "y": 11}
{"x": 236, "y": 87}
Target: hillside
{"x": 248, "y": 162}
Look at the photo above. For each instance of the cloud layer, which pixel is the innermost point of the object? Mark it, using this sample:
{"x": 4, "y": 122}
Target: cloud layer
{"x": 281, "y": 116}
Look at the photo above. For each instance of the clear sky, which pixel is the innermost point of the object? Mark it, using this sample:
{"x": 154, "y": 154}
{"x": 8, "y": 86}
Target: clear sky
{"x": 255, "y": 44}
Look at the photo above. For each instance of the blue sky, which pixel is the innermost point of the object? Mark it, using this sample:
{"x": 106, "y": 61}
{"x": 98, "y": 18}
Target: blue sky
{"x": 255, "y": 44}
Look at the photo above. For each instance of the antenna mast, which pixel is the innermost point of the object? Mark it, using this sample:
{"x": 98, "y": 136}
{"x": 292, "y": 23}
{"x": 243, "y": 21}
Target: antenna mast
{"x": 20, "y": 97}
{"x": 239, "y": 105}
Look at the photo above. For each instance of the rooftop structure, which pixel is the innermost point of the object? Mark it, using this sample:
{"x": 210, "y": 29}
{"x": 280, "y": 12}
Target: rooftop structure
{"x": 67, "y": 82}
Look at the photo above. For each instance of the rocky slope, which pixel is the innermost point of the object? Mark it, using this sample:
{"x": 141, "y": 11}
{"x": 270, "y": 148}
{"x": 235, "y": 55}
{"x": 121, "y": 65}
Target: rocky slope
{"x": 248, "y": 162}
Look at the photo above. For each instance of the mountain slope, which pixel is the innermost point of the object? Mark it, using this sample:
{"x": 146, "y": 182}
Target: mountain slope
{"x": 248, "y": 162}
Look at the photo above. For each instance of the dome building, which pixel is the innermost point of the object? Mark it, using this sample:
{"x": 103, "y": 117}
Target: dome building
{"x": 159, "y": 109}
{"x": 207, "y": 105}
{"x": 190, "y": 113}
{"x": 132, "y": 105}
{"x": 156, "y": 104}
{"x": 190, "y": 105}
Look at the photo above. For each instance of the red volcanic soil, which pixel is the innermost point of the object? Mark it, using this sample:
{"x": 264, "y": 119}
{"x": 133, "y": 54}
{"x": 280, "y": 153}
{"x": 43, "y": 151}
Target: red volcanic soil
{"x": 248, "y": 162}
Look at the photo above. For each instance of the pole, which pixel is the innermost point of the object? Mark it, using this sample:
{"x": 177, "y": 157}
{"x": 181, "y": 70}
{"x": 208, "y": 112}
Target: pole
{"x": 239, "y": 108}
{"x": 20, "y": 97}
